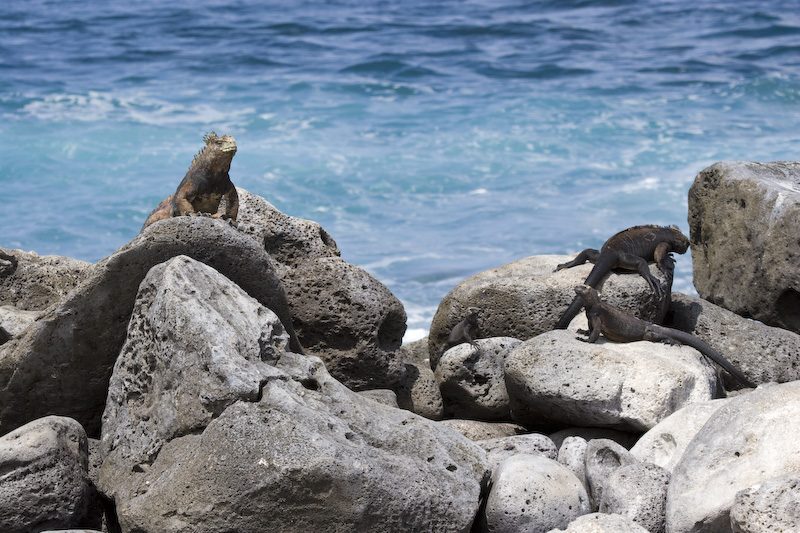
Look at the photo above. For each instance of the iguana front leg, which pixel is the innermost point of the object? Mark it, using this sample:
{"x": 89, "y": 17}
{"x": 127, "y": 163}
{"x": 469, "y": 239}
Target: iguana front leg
{"x": 665, "y": 262}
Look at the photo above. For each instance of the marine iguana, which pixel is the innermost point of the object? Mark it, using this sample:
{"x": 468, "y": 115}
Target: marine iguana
{"x": 463, "y": 331}
{"x": 204, "y": 186}
{"x": 621, "y": 327}
{"x": 631, "y": 249}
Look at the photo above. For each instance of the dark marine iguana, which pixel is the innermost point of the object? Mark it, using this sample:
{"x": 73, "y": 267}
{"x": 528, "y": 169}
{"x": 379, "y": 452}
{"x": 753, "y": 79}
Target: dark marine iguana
{"x": 631, "y": 249}
{"x": 205, "y": 185}
{"x": 622, "y": 327}
{"x": 463, "y": 331}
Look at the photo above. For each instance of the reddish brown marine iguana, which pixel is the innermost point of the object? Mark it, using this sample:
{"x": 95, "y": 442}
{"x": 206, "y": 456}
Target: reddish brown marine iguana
{"x": 621, "y": 327}
{"x": 205, "y": 185}
{"x": 631, "y": 249}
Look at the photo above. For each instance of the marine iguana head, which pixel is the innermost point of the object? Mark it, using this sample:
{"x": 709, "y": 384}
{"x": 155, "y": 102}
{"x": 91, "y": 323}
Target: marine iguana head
{"x": 472, "y": 314}
{"x": 217, "y": 154}
{"x": 681, "y": 242}
{"x": 587, "y": 293}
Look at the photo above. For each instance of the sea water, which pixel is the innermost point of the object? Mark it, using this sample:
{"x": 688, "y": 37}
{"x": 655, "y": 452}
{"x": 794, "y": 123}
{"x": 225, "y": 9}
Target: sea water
{"x": 432, "y": 140}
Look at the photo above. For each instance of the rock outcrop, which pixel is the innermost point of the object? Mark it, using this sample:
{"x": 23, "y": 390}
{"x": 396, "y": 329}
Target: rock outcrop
{"x": 224, "y": 431}
{"x": 743, "y": 220}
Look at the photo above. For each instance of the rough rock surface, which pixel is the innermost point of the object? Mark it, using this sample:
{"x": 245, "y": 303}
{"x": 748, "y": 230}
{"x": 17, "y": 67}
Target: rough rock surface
{"x": 340, "y": 312}
{"x": 472, "y": 381}
{"x": 772, "y": 506}
{"x": 33, "y": 282}
{"x": 602, "y": 458}
{"x": 246, "y": 435}
{"x": 14, "y": 321}
{"x": 638, "y": 491}
{"x": 665, "y": 443}
{"x": 602, "y": 523}
{"x": 744, "y": 443}
{"x": 572, "y": 454}
{"x": 624, "y": 438}
{"x": 526, "y": 298}
{"x": 501, "y": 448}
{"x": 556, "y": 379}
{"x": 418, "y": 390}
{"x": 479, "y": 430}
{"x": 743, "y": 220}
{"x": 63, "y": 362}
{"x": 531, "y": 493}
{"x": 44, "y": 480}
{"x": 762, "y": 352}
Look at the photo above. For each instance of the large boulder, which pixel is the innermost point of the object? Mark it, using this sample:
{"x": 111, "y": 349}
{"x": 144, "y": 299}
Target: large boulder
{"x": 555, "y": 379}
{"x": 501, "y": 448}
{"x": 33, "y": 282}
{"x": 340, "y": 312}
{"x": 743, "y": 220}
{"x": 63, "y": 362}
{"x": 44, "y": 479}
{"x": 531, "y": 493}
{"x": 527, "y": 297}
{"x": 638, "y": 491}
{"x": 748, "y": 441}
{"x": 601, "y": 459}
{"x": 211, "y": 427}
{"x": 763, "y": 353}
{"x": 472, "y": 382}
{"x": 602, "y": 523}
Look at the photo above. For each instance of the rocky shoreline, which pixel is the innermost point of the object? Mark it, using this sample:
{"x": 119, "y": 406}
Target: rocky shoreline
{"x": 212, "y": 378}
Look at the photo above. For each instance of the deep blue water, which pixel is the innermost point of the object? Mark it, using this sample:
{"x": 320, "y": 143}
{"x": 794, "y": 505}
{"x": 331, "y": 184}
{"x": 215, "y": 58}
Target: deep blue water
{"x": 433, "y": 140}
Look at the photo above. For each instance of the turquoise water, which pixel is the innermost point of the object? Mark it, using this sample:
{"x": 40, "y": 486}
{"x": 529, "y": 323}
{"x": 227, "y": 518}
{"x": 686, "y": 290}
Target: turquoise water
{"x": 433, "y": 140}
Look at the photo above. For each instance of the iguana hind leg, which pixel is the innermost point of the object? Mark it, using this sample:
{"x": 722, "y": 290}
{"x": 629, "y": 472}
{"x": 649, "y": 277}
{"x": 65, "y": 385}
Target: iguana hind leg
{"x": 589, "y": 254}
{"x": 634, "y": 262}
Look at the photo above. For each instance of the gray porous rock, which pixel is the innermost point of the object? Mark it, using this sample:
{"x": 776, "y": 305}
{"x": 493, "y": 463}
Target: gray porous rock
{"x": 211, "y": 427}
{"x": 772, "y": 506}
{"x": 62, "y": 364}
{"x": 472, "y": 382}
{"x": 480, "y": 430}
{"x": 557, "y": 380}
{"x": 340, "y": 312}
{"x": 418, "y": 391}
{"x": 501, "y": 448}
{"x": 384, "y": 396}
{"x": 531, "y": 493}
{"x": 526, "y": 298}
{"x": 44, "y": 481}
{"x": 14, "y": 321}
{"x": 638, "y": 491}
{"x": 572, "y": 454}
{"x": 764, "y": 353}
{"x": 601, "y": 523}
{"x": 33, "y": 282}
{"x": 743, "y": 220}
{"x": 665, "y": 443}
{"x": 747, "y": 441}
{"x": 602, "y": 458}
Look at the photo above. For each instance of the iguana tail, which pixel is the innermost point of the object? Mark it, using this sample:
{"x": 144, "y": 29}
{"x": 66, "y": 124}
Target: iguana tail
{"x": 705, "y": 349}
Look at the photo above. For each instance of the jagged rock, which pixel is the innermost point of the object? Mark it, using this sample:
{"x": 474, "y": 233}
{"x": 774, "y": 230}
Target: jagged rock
{"x": 624, "y": 438}
{"x": 601, "y": 523}
{"x": 44, "y": 481}
{"x": 340, "y": 312}
{"x": 61, "y": 365}
{"x": 555, "y": 379}
{"x": 472, "y": 382}
{"x": 212, "y": 429}
{"x": 531, "y": 493}
{"x": 665, "y": 443}
{"x": 743, "y": 220}
{"x": 774, "y": 505}
{"x": 526, "y": 298}
{"x": 602, "y": 458}
{"x": 479, "y": 430}
{"x": 638, "y": 491}
{"x": 762, "y": 352}
{"x": 33, "y": 282}
{"x": 572, "y": 454}
{"x": 501, "y": 448}
{"x": 745, "y": 442}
